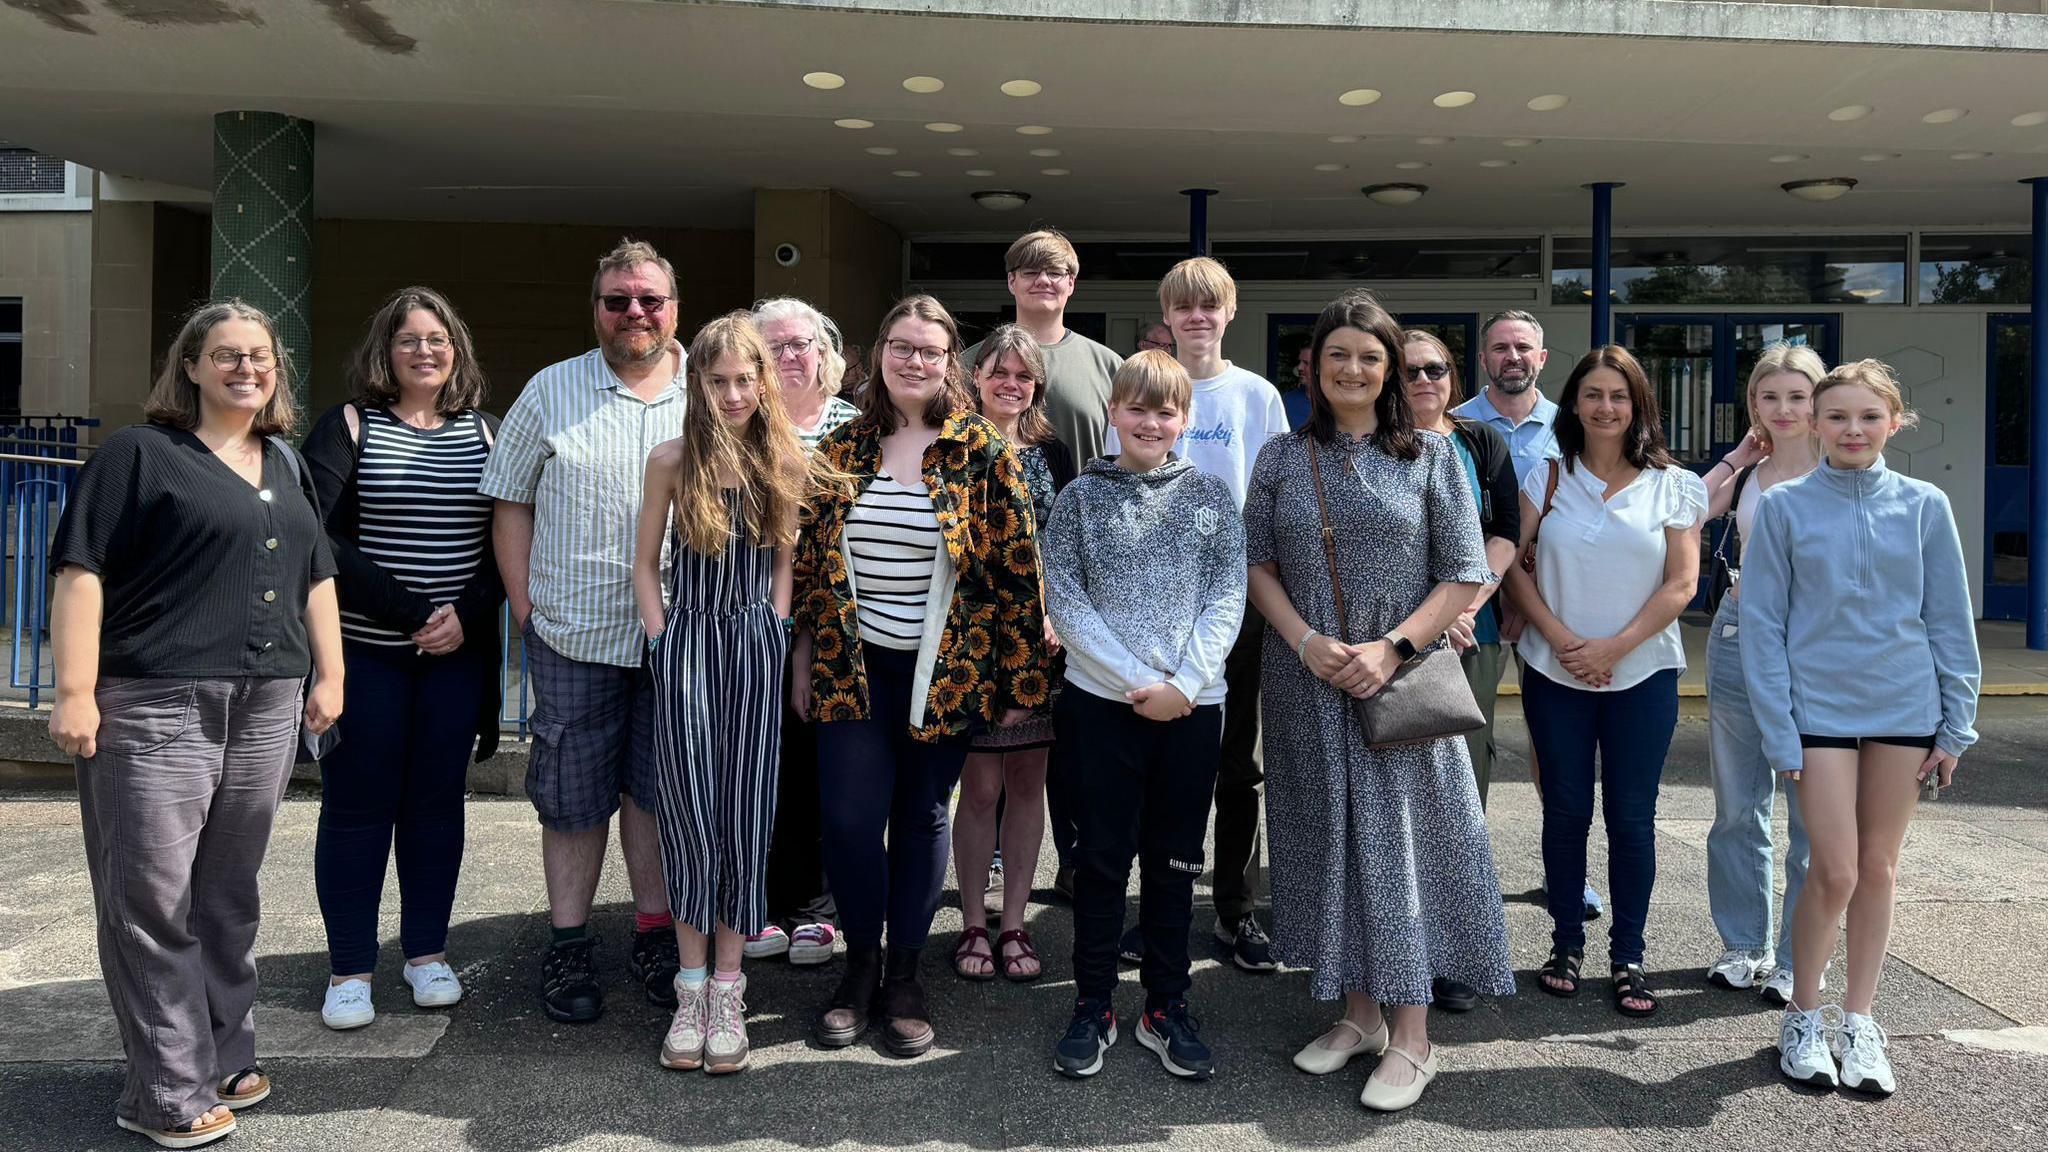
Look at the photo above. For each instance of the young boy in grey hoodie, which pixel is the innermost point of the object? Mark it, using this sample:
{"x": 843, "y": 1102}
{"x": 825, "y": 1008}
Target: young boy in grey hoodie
{"x": 1145, "y": 585}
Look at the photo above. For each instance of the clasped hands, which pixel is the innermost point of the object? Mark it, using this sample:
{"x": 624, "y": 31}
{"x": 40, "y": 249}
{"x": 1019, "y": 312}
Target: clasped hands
{"x": 1359, "y": 670}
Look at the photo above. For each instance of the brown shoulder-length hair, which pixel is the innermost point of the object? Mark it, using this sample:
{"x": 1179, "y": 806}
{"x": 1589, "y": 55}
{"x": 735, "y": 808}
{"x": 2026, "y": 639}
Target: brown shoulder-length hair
{"x": 1642, "y": 444}
{"x": 174, "y": 398}
{"x": 952, "y": 395}
{"x": 1033, "y": 426}
{"x": 1395, "y": 433}
{"x": 764, "y": 452}
{"x": 369, "y": 369}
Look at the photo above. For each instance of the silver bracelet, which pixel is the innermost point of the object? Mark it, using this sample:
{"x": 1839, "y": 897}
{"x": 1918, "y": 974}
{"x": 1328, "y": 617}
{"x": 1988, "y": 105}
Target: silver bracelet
{"x": 1301, "y": 649}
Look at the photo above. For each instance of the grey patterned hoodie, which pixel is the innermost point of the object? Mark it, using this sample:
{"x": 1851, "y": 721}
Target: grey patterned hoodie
{"x": 1145, "y": 578}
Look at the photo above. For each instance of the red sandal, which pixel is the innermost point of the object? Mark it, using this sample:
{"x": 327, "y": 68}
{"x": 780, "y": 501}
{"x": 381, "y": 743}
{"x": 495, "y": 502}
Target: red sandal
{"x": 966, "y": 950}
{"x": 1022, "y": 939}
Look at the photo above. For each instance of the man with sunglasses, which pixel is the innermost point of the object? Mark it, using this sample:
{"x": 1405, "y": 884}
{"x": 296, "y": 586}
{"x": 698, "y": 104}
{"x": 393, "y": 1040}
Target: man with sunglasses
{"x": 567, "y": 475}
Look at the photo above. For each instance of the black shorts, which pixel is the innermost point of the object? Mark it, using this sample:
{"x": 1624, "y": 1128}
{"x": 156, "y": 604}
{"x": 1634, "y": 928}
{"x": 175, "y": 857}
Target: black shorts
{"x": 1854, "y": 743}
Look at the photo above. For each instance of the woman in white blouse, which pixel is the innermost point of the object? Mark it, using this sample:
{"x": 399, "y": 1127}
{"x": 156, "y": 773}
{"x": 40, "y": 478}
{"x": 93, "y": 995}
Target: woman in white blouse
{"x": 1615, "y": 528}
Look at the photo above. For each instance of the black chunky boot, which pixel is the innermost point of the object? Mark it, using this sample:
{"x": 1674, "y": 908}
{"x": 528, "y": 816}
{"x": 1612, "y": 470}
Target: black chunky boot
{"x": 906, "y": 1022}
{"x": 845, "y": 1016}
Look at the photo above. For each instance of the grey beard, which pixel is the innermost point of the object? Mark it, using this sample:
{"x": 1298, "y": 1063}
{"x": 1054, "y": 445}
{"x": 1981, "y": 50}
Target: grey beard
{"x": 1514, "y": 387}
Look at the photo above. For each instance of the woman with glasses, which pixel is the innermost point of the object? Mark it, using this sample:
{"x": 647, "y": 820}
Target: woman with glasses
{"x": 194, "y": 593}
{"x": 804, "y": 349}
{"x": 918, "y": 623}
{"x": 397, "y": 469}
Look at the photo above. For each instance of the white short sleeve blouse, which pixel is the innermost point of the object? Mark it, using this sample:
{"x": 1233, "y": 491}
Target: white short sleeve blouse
{"x": 1598, "y": 561}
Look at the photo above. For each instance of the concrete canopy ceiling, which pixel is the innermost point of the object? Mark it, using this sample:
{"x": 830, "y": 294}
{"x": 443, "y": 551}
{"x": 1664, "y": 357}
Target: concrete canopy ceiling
{"x": 619, "y": 112}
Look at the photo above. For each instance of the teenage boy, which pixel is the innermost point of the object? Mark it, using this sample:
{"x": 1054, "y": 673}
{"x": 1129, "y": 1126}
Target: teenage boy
{"x": 1235, "y": 412}
{"x": 1145, "y": 584}
{"x": 1041, "y": 269}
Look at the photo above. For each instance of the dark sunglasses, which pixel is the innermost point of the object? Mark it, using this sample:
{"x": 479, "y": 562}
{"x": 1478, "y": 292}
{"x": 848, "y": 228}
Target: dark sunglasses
{"x": 648, "y": 304}
{"x": 1435, "y": 372}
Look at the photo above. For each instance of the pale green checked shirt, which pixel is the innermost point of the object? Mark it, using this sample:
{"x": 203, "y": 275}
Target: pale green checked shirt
{"x": 575, "y": 446}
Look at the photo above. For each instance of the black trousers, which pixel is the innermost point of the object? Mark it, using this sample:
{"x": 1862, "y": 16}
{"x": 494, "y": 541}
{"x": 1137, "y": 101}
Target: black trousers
{"x": 1141, "y": 789}
{"x": 796, "y": 862}
{"x": 1239, "y": 777}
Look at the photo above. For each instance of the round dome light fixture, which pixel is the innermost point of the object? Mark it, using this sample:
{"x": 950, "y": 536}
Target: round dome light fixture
{"x": 1021, "y": 88}
{"x": 1549, "y": 103}
{"x": 854, "y": 122}
{"x": 1819, "y": 191}
{"x": 1456, "y": 99}
{"x": 1394, "y": 194}
{"x": 923, "y": 85}
{"x": 1944, "y": 115}
{"x": 1001, "y": 199}
{"x": 824, "y": 81}
{"x": 1850, "y": 112}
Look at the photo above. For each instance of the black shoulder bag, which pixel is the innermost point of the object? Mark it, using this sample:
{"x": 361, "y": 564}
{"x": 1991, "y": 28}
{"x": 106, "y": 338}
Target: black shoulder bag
{"x": 1729, "y": 543}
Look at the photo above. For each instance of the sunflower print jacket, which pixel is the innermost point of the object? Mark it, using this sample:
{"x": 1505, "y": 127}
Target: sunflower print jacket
{"x": 991, "y": 655}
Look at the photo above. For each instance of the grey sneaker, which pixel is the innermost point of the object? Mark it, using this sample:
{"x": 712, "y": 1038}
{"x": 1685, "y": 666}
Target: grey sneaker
{"x": 684, "y": 1046}
{"x": 725, "y": 1027}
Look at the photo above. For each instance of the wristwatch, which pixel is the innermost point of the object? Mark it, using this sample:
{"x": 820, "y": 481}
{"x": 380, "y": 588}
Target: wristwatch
{"x": 1403, "y": 647}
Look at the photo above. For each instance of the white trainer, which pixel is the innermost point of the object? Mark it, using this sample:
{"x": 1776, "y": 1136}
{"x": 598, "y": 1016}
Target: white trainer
{"x": 1803, "y": 1048}
{"x": 1860, "y": 1045}
{"x": 1776, "y": 988}
{"x": 433, "y": 984}
{"x": 683, "y": 1047}
{"x": 1738, "y": 969}
{"x": 768, "y": 942}
{"x": 725, "y": 1027}
{"x": 347, "y": 1005}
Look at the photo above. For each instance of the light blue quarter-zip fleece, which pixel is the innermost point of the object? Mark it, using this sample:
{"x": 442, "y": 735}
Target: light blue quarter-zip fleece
{"x": 1856, "y": 617}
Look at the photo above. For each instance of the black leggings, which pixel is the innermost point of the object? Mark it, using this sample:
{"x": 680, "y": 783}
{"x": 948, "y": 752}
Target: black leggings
{"x": 1855, "y": 743}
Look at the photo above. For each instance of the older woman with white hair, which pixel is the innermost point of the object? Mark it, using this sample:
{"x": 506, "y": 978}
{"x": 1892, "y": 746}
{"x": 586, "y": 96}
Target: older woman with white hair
{"x": 807, "y": 352}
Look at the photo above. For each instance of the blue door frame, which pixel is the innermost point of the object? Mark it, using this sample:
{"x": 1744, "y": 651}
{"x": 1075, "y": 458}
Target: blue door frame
{"x": 2006, "y": 502}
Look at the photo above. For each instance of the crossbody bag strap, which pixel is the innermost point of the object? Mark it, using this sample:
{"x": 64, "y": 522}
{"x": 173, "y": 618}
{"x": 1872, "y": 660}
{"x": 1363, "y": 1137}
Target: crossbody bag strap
{"x": 1315, "y": 467}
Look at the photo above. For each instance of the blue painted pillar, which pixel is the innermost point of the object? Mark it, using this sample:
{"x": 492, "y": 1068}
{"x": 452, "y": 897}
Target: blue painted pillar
{"x": 1198, "y": 219}
{"x": 2037, "y": 418}
{"x": 1603, "y": 243}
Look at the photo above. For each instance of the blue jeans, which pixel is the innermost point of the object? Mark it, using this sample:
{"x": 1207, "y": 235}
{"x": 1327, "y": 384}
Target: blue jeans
{"x": 1631, "y": 731}
{"x": 1739, "y": 844}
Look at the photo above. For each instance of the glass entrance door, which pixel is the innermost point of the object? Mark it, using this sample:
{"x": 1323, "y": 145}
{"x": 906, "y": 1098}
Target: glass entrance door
{"x": 2006, "y": 502}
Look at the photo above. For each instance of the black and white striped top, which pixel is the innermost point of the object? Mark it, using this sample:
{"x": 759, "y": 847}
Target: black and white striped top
{"x": 421, "y": 517}
{"x": 892, "y": 537}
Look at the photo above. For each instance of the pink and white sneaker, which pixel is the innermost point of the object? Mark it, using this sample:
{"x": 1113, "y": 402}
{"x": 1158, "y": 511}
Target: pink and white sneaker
{"x": 812, "y": 943}
{"x": 770, "y": 941}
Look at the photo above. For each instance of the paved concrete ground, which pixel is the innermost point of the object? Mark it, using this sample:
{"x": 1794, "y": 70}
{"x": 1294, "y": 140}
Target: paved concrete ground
{"x": 1965, "y": 997}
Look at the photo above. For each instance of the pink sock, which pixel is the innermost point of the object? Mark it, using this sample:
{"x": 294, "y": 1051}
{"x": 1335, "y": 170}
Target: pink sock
{"x": 648, "y": 922}
{"x": 724, "y": 977}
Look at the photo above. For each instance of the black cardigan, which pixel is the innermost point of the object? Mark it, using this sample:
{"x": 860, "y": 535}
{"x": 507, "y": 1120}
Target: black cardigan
{"x": 366, "y": 587}
{"x": 1500, "y": 504}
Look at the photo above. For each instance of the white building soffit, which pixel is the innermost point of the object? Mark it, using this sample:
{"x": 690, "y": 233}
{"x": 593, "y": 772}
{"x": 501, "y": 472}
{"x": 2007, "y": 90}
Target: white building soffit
{"x": 1662, "y": 19}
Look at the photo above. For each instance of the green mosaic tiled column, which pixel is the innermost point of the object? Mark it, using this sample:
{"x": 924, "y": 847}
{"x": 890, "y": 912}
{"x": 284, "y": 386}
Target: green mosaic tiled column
{"x": 263, "y": 223}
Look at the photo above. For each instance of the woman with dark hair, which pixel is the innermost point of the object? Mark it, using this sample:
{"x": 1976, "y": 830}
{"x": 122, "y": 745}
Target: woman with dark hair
{"x": 194, "y": 593}
{"x": 1616, "y": 561}
{"x": 397, "y": 468}
{"x": 1383, "y": 878}
{"x": 919, "y": 621}
{"x": 1008, "y": 764}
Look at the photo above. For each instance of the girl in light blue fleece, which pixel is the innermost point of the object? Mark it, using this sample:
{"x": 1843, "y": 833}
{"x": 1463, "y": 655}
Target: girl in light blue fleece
{"x": 1860, "y": 654}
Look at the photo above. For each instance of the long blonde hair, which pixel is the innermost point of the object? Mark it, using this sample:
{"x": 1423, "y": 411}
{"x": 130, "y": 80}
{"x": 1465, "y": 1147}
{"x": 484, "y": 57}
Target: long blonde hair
{"x": 764, "y": 452}
{"x": 1780, "y": 356}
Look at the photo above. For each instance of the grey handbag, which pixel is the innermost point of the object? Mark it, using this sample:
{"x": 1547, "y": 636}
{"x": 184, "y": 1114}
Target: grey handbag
{"x": 1427, "y": 698}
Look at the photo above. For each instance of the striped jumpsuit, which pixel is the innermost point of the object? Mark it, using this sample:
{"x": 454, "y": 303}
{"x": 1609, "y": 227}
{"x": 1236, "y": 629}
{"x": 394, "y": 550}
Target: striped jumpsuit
{"x": 718, "y": 674}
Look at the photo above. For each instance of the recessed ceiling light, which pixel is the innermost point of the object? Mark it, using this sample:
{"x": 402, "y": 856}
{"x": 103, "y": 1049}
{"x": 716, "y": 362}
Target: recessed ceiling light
{"x": 963, "y": 151}
{"x": 1055, "y": 172}
{"x": 1329, "y": 167}
{"x": 1788, "y": 158}
{"x": 825, "y": 81}
{"x": 1944, "y": 115}
{"x": 1819, "y": 191}
{"x": 1343, "y": 139}
{"x": 1045, "y": 153}
{"x": 1878, "y": 157}
{"x": 1432, "y": 140}
{"x": 2030, "y": 119}
{"x": 1358, "y": 97}
{"x": 1848, "y": 112}
{"x": 981, "y": 171}
{"x": 923, "y": 85}
{"x": 854, "y": 122}
{"x": 1001, "y": 199}
{"x": 1034, "y": 130}
{"x": 1412, "y": 165}
{"x": 1969, "y": 155}
{"x": 943, "y": 126}
{"x": 1456, "y": 99}
{"x": 1496, "y": 163}
{"x": 1519, "y": 142}
{"x": 1022, "y": 87}
{"x": 906, "y": 172}
{"x": 880, "y": 151}
{"x": 1394, "y": 193}
{"x": 1550, "y": 103}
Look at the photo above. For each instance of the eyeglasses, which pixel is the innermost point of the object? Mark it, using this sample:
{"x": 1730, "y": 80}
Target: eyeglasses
{"x": 904, "y": 350}
{"x": 1055, "y": 275}
{"x": 1435, "y": 370}
{"x": 228, "y": 359}
{"x": 410, "y": 345}
{"x": 648, "y": 304}
{"x": 800, "y": 346}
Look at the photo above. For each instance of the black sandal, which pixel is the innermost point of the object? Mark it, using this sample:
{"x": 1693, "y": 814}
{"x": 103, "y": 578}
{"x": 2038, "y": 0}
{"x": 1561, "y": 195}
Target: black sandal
{"x": 249, "y": 1086}
{"x": 1563, "y": 966}
{"x": 1631, "y": 984}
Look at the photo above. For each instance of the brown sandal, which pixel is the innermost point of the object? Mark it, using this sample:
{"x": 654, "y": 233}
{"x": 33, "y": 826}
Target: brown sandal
{"x": 1022, "y": 940}
{"x": 966, "y": 950}
{"x": 254, "y": 1085}
{"x": 190, "y": 1134}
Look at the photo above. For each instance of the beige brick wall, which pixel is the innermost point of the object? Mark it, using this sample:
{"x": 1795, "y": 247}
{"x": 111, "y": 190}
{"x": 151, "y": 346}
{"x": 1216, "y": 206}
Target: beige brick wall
{"x": 46, "y": 260}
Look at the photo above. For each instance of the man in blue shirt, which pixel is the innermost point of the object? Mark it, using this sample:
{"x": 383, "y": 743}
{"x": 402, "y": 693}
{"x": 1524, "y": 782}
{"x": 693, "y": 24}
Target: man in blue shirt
{"x": 1511, "y": 353}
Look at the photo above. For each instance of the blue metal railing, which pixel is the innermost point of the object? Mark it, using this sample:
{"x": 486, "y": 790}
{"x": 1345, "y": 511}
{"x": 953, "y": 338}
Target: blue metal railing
{"x": 514, "y": 703}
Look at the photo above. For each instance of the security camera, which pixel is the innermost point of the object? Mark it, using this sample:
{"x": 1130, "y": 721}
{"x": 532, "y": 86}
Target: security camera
{"x": 788, "y": 255}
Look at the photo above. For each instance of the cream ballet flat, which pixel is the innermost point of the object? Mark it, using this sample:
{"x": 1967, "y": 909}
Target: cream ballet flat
{"x": 1383, "y": 1097}
{"x": 1317, "y": 1060}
